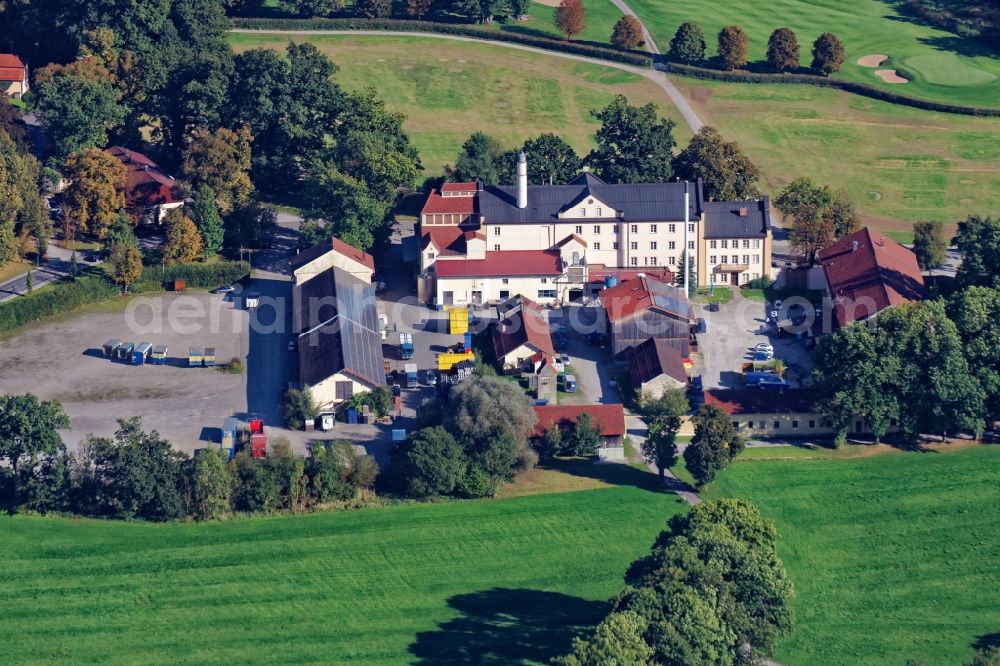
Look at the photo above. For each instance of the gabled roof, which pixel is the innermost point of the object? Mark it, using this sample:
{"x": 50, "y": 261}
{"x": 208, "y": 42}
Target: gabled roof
{"x": 635, "y": 201}
{"x": 145, "y": 183}
{"x": 333, "y": 244}
{"x": 525, "y": 326}
{"x": 652, "y": 358}
{"x": 758, "y": 401}
{"x": 571, "y": 239}
{"x": 610, "y": 418}
{"x": 871, "y": 272}
{"x": 737, "y": 219}
{"x": 644, "y": 293}
{"x": 506, "y": 263}
{"x": 347, "y": 338}
{"x": 448, "y": 240}
{"x": 458, "y": 187}
{"x": 11, "y": 68}
{"x": 437, "y": 203}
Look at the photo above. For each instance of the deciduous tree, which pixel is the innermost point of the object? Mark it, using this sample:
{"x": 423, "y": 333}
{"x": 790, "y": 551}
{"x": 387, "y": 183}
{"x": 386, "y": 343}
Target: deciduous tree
{"x": 586, "y": 439}
{"x": 929, "y": 244}
{"x": 551, "y": 160}
{"x": 95, "y": 194}
{"x": 78, "y": 112}
{"x": 211, "y": 484}
{"x": 570, "y": 18}
{"x": 688, "y": 44}
{"x": 976, "y": 311}
{"x": 221, "y": 160}
{"x": 373, "y": 9}
{"x": 734, "y": 44}
{"x": 298, "y": 406}
{"x": 634, "y": 145}
{"x": 827, "y": 53}
{"x": 663, "y": 417}
{"x": 309, "y": 8}
{"x": 126, "y": 265}
{"x": 12, "y": 123}
{"x": 627, "y": 32}
{"x": 29, "y": 429}
{"x": 616, "y": 640}
{"x": 812, "y": 230}
{"x": 979, "y": 243}
{"x": 715, "y": 444}
{"x": 479, "y": 160}
{"x": 431, "y": 463}
{"x": 183, "y": 242}
{"x": 120, "y": 233}
{"x": 726, "y": 172}
{"x": 783, "y": 50}
{"x": 205, "y": 215}
{"x": 418, "y": 8}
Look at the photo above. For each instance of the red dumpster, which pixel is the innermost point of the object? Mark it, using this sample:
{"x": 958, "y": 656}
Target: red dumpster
{"x": 258, "y": 445}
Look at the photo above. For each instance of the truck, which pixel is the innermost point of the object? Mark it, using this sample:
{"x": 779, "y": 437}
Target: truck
{"x": 208, "y": 358}
{"x": 110, "y": 346}
{"x": 159, "y": 355}
{"x": 230, "y": 427}
{"x": 406, "y": 346}
{"x": 194, "y": 357}
{"x": 141, "y": 352}
{"x": 445, "y": 361}
{"x": 411, "y": 374}
{"x": 258, "y": 440}
{"x": 252, "y": 299}
{"x": 458, "y": 321}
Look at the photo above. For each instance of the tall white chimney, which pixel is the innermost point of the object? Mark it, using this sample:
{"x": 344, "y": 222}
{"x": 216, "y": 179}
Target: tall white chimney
{"x": 522, "y": 180}
{"x": 686, "y": 257}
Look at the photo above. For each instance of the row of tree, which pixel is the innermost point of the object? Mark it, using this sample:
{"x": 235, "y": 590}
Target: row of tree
{"x": 634, "y": 145}
{"x": 712, "y": 592}
{"x": 24, "y": 217}
{"x": 138, "y": 474}
{"x": 928, "y": 367}
{"x": 688, "y": 46}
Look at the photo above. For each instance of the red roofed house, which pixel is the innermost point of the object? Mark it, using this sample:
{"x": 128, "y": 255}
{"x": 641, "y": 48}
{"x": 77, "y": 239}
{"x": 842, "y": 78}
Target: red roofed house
{"x": 332, "y": 253}
{"x": 867, "y": 273}
{"x": 522, "y": 335}
{"x": 13, "y": 75}
{"x": 610, "y": 421}
{"x": 645, "y": 308}
{"x": 149, "y": 193}
{"x": 654, "y": 366}
{"x": 763, "y": 413}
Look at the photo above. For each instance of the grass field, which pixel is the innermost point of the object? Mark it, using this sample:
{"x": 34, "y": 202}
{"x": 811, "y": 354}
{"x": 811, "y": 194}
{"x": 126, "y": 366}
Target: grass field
{"x": 900, "y": 165}
{"x": 601, "y": 18}
{"x": 940, "y": 65}
{"x": 448, "y": 89}
{"x": 893, "y": 556}
{"x": 504, "y": 581}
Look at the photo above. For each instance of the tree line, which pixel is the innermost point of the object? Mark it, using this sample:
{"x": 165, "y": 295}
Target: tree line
{"x": 139, "y": 475}
{"x": 928, "y": 367}
{"x": 711, "y": 592}
{"x": 634, "y": 145}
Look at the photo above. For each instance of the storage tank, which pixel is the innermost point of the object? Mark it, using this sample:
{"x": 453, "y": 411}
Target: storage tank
{"x": 610, "y": 281}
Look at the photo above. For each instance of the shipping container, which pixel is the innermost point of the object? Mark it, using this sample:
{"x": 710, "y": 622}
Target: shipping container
{"x": 194, "y": 357}
{"x": 159, "y": 355}
{"x": 458, "y": 321}
{"x": 406, "y": 346}
{"x": 141, "y": 352}
{"x": 230, "y": 428}
{"x": 124, "y": 351}
{"x": 208, "y": 358}
{"x": 258, "y": 445}
{"x": 110, "y": 347}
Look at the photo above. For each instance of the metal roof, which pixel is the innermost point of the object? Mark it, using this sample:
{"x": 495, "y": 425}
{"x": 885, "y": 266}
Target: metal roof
{"x": 723, "y": 219}
{"x": 635, "y": 201}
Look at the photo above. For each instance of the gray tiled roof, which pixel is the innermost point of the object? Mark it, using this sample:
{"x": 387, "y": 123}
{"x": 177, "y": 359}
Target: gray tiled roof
{"x": 637, "y": 201}
{"x": 723, "y": 219}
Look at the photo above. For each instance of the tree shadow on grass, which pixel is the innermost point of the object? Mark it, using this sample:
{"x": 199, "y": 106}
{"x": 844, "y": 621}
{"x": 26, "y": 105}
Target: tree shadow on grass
{"x": 507, "y": 626}
{"x": 618, "y": 474}
{"x": 987, "y": 641}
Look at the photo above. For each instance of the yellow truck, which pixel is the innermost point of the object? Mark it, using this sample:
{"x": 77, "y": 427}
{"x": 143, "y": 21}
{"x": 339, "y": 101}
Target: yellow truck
{"x": 448, "y": 359}
{"x": 458, "y": 321}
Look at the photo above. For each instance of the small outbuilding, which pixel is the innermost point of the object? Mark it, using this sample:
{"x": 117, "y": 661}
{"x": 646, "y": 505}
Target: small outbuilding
{"x": 654, "y": 367}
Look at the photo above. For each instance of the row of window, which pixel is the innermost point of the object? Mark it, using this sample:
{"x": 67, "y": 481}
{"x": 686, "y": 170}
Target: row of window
{"x": 724, "y": 244}
{"x": 724, "y": 259}
{"x": 776, "y": 425}
{"x": 633, "y": 228}
{"x": 671, "y": 245}
{"x": 724, "y": 277}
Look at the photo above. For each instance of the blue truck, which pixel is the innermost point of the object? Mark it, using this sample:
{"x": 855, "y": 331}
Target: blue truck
{"x": 406, "y": 346}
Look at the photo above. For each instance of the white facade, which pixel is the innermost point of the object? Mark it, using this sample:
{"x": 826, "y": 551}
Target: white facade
{"x": 468, "y": 290}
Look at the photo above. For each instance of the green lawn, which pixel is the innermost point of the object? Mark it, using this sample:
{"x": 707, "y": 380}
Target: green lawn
{"x": 941, "y": 66}
{"x": 893, "y": 556}
{"x": 899, "y": 165}
{"x": 601, "y": 18}
{"x": 449, "y": 89}
{"x": 499, "y": 581}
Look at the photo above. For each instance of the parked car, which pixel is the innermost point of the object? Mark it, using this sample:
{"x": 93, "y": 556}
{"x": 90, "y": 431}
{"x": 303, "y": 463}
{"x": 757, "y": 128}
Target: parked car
{"x": 432, "y": 379}
{"x": 292, "y": 345}
{"x": 763, "y": 356}
{"x": 564, "y": 359}
{"x": 764, "y": 347}
{"x": 225, "y": 289}
{"x": 569, "y": 383}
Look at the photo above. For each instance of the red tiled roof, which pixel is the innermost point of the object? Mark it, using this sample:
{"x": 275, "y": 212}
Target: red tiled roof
{"x": 645, "y": 293}
{"x": 439, "y": 204}
{"x": 458, "y": 187}
{"x": 874, "y": 275}
{"x": 447, "y": 240}
{"x": 503, "y": 264}
{"x": 597, "y": 272}
{"x": 145, "y": 183}
{"x": 610, "y": 418}
{"x": 11, "y": 68}
{"x": 525, "y": 326}
{"x": 354, "y": 253}
{"x": 571, "y": 237}
{"x": 653, "y": 358}
{"x": 759, "y": 401}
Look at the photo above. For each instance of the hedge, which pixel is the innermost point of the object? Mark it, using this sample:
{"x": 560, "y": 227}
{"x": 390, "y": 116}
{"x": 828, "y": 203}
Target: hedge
{"x": 743, "y": 76}
{"x": 85, "y": 290}
{"x": 636, "y": 58}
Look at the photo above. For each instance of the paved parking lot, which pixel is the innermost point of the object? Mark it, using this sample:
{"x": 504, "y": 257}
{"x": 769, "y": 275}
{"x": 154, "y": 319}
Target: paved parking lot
{"x": 732, "y": 332}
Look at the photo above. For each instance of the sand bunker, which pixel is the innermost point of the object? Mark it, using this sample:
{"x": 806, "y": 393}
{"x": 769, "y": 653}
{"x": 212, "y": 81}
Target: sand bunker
{"x": 890, "y": 76}
{"x": 873, "y": 60}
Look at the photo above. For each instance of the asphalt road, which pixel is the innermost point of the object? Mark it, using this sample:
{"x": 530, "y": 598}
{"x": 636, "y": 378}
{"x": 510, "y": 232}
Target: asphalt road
{"x": 55, "y": 266}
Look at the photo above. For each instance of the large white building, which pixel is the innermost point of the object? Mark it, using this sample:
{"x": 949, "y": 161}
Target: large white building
{"x": 482, "y": 243}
